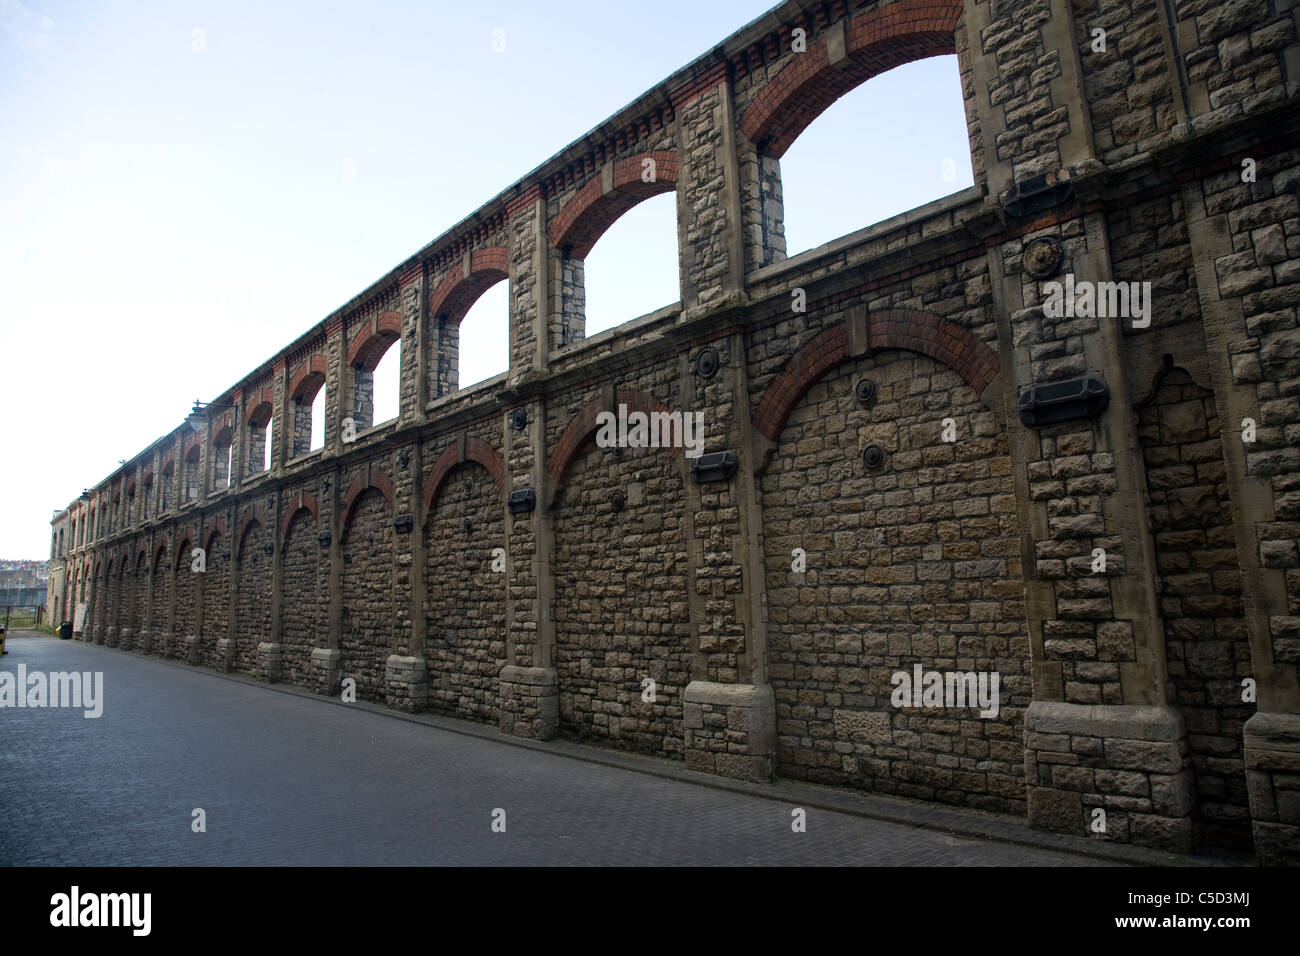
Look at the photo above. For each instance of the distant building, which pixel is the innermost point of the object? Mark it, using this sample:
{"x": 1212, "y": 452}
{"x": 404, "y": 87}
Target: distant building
{"x": 57, "y": 598}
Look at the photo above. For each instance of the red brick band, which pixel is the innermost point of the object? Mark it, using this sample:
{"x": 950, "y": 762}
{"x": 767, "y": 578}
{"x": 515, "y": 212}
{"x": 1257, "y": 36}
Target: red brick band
{"x": 476, "y": 450}
{"x": 875, "y": 42}
{"x": 457, "y": 292}
{"x": 586, "y": 216}
{"x": 908, "y": 329}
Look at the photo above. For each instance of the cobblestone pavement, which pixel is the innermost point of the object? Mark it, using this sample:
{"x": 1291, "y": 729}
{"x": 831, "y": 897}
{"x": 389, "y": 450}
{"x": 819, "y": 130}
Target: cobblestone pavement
{"x": 287, "y": 779}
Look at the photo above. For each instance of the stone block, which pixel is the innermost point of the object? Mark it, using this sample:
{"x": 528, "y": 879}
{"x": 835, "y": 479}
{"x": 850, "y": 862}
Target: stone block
{"x": 1059, "y": 811}
{"x": 406, "y": 683}
{"x": 226, "y": 651}
{"x": 268, "y": 661}
{"x": 326, "y": 670}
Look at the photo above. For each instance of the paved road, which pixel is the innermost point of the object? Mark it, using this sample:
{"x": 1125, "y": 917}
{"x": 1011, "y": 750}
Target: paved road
{"x": 285, "y": 779}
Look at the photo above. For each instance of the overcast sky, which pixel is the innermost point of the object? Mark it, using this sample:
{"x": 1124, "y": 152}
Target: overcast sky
{"x": 187, "y": 187}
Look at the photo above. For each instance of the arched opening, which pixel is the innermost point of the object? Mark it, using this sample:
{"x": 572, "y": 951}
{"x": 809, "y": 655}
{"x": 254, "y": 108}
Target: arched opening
{"x": 190, "y": 474}
{"x": 259, "y": 437}
{"x": 307, "y": 390}
{"x": 376, "y": 368}
{"x": 468, "y": 333}
{"x": 387, "y": 386}
{"x": 896, "y": 142}
{"x": 317, "y": 439}
{"x": 633, "y": 268}
{"x": 164, "y": 492}
{"x": 483, "y": 337}
{"x": 222, "y": 452}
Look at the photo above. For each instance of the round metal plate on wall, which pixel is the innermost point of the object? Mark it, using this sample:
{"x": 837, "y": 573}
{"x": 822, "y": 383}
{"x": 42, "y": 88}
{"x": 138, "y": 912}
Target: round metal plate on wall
{"x": 1043, "y": 257}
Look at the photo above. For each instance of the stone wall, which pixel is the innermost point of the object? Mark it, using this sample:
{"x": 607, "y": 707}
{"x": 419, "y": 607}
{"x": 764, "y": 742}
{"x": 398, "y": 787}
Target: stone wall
{"x": 914, "y": 563}
{"x": 870, "y": 501}
{"x": 303, "y": 616}
{"x": 465, "y": 595}
{"x": 253, "y": 617}
{"x": 367, "y": 626}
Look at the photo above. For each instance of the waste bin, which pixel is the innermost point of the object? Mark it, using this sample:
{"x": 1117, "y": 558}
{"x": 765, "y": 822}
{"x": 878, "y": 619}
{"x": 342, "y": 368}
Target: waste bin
{"x": 65, "y": 630}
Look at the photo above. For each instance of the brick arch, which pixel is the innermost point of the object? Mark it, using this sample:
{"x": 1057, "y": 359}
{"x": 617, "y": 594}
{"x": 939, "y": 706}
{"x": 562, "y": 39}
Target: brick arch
{"x": 218, "y": 527}
{"x": 907, "y": 329}
{"x": 373, "y": 478}
{"x": 472, "y": 449}
{"x": 874, "y": 42}
{"x": 159, "y": 553}
{"x": 261, "y": 408}
{"x": 584, "y": 424}
{"x": 586, "y": 216}
{"x": 371, "y": 343}
{"x": 306, "y": 502}
{"x": 182, "y": 549}
{"x": 459, "y": 290}
{"x": 309, "y": 379}
{"x": 226, "y": 420}
{"x": 254, "y": 515}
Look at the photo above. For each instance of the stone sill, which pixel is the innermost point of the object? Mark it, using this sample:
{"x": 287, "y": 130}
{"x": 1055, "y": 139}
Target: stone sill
{"x": 640, "y": 323}
{"x": 293, "y": 463}
{"x": 468, "y": 393}
{"x": 969, "y": 196}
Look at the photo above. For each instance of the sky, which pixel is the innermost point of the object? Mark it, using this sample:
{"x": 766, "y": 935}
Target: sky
{"x": 185, "y": 188}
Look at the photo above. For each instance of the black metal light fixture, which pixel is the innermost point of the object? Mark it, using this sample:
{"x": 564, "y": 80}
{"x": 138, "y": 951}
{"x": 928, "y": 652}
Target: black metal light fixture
{"x": 1035, "y": 194}
{"x": 1054, "y": 402}
{"x": 715, "y": 466}
{"x": 522, "y": 501}
{"x": 196, "y": 417}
